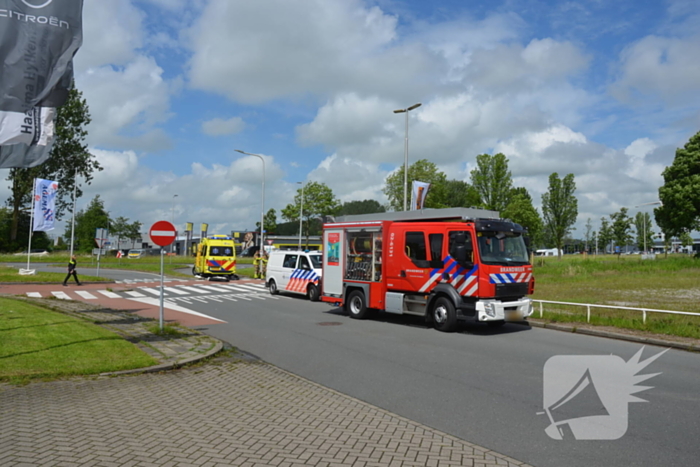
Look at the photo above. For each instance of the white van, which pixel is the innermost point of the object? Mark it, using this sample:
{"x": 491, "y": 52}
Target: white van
{"x": 294, "y": 271}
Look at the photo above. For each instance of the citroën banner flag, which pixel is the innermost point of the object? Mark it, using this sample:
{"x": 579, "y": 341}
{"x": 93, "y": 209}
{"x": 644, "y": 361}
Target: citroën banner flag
{"x": 38, "y": 39}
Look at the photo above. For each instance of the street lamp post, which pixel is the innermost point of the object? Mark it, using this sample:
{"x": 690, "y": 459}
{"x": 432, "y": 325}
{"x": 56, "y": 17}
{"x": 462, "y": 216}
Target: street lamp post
{"x": 405, "y": 154}
{"x": 262, "y": 205}
{"x": 172, "y": 218}
{"x": 645, "y": 222}
{"x": 301, "y": 212}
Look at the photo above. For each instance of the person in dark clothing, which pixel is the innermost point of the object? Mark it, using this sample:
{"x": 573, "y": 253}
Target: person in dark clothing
{"x": 71, "y": 271}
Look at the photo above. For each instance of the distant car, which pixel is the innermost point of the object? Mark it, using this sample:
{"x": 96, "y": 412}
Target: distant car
{"x": 135, "y": 253}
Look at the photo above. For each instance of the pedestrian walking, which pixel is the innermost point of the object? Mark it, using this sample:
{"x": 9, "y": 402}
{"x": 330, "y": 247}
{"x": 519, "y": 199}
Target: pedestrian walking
{"x": 257, "y": 266}
{"x": 71, "y": 271}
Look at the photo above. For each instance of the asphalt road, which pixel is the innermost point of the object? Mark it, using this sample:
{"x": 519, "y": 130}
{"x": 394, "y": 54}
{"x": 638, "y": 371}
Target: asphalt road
{"x": 480, "y": 384}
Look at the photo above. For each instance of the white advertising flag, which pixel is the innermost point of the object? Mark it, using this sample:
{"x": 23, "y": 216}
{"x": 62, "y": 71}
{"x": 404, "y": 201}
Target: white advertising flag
{"x": 418, "y": 195}
{"x": 44, "y": 205}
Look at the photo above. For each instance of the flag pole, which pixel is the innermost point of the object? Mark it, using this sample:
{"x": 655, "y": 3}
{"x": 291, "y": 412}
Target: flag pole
{"x": 72, "y": 223}
{"x": 31, "y": 225}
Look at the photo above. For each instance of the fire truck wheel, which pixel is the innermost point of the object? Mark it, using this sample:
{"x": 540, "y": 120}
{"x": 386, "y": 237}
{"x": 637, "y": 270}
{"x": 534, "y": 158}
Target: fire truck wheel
{"x": 356, "y": 306}
{"x": 312, "y": 293}
{"x": 273, "y": 287}
{"x": 444, "y": 315}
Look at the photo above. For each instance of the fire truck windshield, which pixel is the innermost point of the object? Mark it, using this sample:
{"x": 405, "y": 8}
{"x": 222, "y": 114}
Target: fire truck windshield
{"x": 504, "y": 248}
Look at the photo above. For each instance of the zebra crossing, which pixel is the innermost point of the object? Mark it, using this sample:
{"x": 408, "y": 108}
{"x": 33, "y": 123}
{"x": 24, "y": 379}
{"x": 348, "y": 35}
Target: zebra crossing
{"x": 174, "y": 293}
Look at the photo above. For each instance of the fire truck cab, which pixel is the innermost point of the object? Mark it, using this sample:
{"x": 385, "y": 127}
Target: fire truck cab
{"x": 444, "y": 264}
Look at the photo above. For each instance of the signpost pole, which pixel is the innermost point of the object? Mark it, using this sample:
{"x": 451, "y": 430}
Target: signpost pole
{"x": 163, "y": 234}
{"x": 160, "y": 314}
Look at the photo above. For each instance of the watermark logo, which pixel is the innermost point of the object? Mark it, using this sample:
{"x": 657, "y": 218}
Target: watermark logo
{"x": 586, "y": 397}
{"x": 37, "y": 3}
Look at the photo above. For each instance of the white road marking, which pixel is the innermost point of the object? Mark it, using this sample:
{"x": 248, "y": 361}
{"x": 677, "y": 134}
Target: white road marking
{"x": 172, "y": 306}
{"x": 34, "y": 294}
{"x": 192, "y": 289}
{"x": 213, "y": 288}
{"x": 151, "y": 291}
{"x": 175, "y": 290}
{"x": 109, "y": 294}
{"x": 86, "y": 294}
{"x": 61, "y": 295}
{"x": 134, "y": 294}
{"x": 249, "y": 288}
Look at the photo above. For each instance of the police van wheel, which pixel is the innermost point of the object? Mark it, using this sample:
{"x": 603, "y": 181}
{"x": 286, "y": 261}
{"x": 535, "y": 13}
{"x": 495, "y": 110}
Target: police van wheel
{"x": 444, "y": 315}
{"x": 272, "y": 286}
{"x": 356, "y": 305}
{"x": 312, "y": 293}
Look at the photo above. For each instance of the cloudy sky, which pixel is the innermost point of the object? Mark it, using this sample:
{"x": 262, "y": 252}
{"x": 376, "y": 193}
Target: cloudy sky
{"x": 604, "y": 90}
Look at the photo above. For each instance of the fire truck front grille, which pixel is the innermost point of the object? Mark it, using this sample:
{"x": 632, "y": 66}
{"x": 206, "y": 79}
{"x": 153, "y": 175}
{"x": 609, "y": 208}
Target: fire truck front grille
{"x": 516, "y": 290}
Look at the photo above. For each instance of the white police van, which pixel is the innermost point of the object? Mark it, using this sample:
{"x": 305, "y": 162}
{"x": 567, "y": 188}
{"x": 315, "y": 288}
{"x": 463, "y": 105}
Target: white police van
{"x": 294, "y": 271}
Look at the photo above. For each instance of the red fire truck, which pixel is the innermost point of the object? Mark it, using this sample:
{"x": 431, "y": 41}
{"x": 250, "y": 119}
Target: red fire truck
{"x": 444, "y": 264}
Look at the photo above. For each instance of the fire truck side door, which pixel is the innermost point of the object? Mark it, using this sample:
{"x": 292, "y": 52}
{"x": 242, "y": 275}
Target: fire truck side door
{"x": 410, "y": 267}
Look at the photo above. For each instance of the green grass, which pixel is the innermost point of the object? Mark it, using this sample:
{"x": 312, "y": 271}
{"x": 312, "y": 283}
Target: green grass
{"x": 36, "y": 343}
{"x": 171, "y": 265}
{"x": 11, "y": 274}
{"x": 667, "y": 283}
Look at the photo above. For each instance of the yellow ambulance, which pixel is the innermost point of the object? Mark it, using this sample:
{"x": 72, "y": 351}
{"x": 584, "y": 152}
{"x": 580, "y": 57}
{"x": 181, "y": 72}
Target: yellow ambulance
{"x": 216, "y": 257}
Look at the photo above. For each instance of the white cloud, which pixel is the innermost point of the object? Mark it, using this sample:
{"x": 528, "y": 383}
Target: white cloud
{"x": 219, "y": 127}
{"x": 135, "y": 95}
{"x": 661, "y": 67}
{"x": 112, "y": 31}
{"x": 360, "y": 180}
{"x": 268, "y": 49}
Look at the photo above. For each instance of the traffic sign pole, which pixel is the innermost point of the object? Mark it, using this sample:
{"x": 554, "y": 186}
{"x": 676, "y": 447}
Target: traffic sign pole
{"x": 163, "y": 234}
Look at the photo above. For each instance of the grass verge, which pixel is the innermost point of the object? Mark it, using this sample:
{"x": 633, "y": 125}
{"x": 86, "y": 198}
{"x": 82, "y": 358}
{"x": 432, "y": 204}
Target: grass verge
{"x": 667, "y": 283}
{"x": 36, "y": 343}
{"x": 9, "y": 274}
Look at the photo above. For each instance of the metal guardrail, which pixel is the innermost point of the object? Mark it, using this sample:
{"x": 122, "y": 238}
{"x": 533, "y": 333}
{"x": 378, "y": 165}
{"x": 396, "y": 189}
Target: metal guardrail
{"x": 589, "y": 306}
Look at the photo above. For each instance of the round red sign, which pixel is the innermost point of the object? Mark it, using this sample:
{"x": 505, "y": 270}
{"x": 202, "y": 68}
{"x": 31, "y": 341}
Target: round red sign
{"x": 162, "y": 233}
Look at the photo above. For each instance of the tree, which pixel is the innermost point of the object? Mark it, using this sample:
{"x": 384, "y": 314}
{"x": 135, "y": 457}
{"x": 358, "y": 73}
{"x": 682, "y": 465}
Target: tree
{"x": 319, "y": 201}
{"x": 86, "y": 224}
{"x": 621, "y": 231}
{"x": 119, "y": 228}
{"x": 69, "y": 158}
{"x": 422, "y": 171}
{"x": 605, "y": 234}
{"x": 680, "y": 194}
{"x": 492, "y": 181}
{"x": 521, "y": 211}
{"x": 559, "y": 208}
{"x": 270, "y": 220}
{"x": 133, "y": 232}
{"x": 367, "y": 206}
{"x": 460, "y": 194}
{"x": 589, "y": 232}
{"x": 645, "y": 236}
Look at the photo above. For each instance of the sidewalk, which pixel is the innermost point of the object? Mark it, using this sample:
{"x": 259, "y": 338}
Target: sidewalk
{"x": 229, "y": 410}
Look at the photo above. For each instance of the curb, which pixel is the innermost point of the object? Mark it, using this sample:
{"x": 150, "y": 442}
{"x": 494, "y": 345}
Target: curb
{"x": 615, "y": 335}
{"x": 218, "y": 346}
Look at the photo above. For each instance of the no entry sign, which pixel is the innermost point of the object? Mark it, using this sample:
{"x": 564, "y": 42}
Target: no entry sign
{"x": 162, "y": 233}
